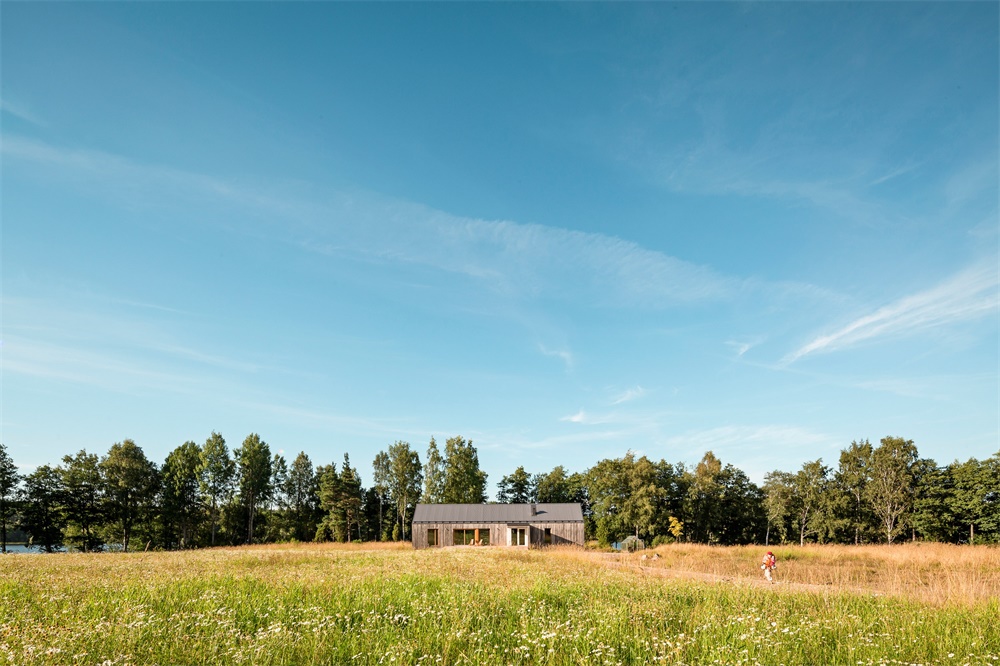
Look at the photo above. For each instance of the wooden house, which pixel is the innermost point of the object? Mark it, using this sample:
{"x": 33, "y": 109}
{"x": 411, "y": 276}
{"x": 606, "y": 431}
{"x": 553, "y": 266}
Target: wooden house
{"x": 516, "y": 525}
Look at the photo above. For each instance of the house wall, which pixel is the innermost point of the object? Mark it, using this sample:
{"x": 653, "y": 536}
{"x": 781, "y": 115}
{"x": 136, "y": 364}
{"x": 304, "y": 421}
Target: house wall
{"x": 446, "y": 532}
{"x": 562, "y": 533}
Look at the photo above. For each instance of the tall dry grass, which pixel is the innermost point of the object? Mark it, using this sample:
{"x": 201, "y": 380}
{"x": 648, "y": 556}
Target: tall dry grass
{"x": 926, "y": 572}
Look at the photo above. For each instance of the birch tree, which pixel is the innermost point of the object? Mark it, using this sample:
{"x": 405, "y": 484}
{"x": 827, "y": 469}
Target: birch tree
{"x": 890, "y": 490}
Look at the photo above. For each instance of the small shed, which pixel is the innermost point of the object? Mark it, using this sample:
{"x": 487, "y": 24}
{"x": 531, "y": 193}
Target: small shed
{"x": 515, "y": 525}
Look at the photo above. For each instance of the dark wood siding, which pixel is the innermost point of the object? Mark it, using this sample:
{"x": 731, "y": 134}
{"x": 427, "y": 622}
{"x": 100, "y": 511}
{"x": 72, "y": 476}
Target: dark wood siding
{"x": 562, "y": 533}
{"x": 446, "y": 533}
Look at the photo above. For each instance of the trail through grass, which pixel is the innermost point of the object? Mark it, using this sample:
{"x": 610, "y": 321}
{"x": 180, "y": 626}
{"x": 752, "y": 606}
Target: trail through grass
{"x": 293, "y": 605}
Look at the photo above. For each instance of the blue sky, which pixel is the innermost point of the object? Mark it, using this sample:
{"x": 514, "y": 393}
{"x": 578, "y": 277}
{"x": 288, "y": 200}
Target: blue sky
{"x": 561, "y": 230}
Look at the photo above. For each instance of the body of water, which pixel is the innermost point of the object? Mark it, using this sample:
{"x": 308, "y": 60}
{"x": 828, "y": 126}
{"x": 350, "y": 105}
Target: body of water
{"x": 23, "y": 549}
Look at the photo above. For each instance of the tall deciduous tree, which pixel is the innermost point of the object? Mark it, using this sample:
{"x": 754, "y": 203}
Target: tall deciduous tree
{"x": 969, "y": 501}
{"x": 554, "y": 487}
{"x": 851, "y": 479}
{"x": 253, "y": 467}
{"x": 743, "y": 520}
{"x": 704, "y": 500}
{"x": 43, "y": 515}
{"x": 380, "y": 484}
{"x": 639, "y": 507}
{"x": 607, "y": 483}
{"x": 9, "y": 480}
{"x": 84, "y": 500}
{"x": 464, "y": 481}
{"x": 890, "y": 490}
{"x": 809, "y": 492}
{"x": 779, "y": 487}
{"x": 279, "y": 477}
{"x": 181, "y": 500}
{"x": 131, "y": 483}
{"x": 405, "y": 478}
{"x": 434, "y": 474}
{"x": 518, "y": 487}
{"x": 217, "y": 471}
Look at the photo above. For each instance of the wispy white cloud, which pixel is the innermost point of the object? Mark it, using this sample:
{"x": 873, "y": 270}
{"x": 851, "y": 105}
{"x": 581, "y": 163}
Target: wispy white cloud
{"x": 780, "y": 436}
{"x": 969, "y": 295}
{"x": 328, "y": 420}
{"x": 565, "y": 355}
{"x": 645, "y": 421}
{"x": 575, "y": 440}
{"x": 21, "y": 111}
{"x": 628, "y": 395}
{"x": 895, "y": 173}
{"x": 579, "y": 417}
{"x": 513, "y": 259}
{"x": 742, "y": 347}
{"x": 91, "y": 367}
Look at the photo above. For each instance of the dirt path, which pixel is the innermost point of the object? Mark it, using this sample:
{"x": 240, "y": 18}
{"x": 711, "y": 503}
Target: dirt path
{"x": 612, "y": 561}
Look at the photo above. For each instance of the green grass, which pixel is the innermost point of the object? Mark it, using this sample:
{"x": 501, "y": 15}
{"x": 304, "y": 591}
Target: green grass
{"x": 338, "y": 606}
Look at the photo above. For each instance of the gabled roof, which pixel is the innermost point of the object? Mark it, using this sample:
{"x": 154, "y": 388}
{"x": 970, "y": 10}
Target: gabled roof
{"x": 497, "y": 513}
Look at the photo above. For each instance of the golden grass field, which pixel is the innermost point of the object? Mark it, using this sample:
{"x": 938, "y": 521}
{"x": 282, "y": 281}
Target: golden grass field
{"x": 932, "y": 573}
{"x": 389, "y": 604}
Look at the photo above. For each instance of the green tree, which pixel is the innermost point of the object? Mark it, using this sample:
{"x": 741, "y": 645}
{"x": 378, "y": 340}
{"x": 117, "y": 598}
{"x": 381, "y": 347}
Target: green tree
{"x": 332, "y": 526}
{"x": 932, "y": 515}
{"x": 9, "y": 481}
{"x": 301, "y": 491}
{"x": 131, "y": 484}
{"x": 779, "y": 488}
{"x": 404, "y": 483}
{"x": 275, "y": 517}
{"x": 253, "y": 468}
{"x": 970, "y": 502}
{"x": 350, "y": 501}
{"x": 704, "y": 506}
{"x": 182, "y": 510}
{"x": 810, "y": 488}
{"x": 554, "y": 488}
{"x": 217, "y": 471}
{"x": 742, "y": 520}
{"x": 373, "y": 524}
{"x": 890, "y": 490}
{"x": 851, "y": 479}
{"x": 607, "y": 483}
{"x": 434, "y": 475}
{"x": 517, "y": 488}
{"x": 380, "y": 484}
{"x": 43, "y": 515}
{"x": 638, "y": 509}
{"x": 464, "y": 481}
{"x": 671, "y": 490}
{"x": 84, "y": 500}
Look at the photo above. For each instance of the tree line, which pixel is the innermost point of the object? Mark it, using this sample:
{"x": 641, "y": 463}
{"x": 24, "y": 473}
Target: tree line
{"x": 204, "y": 495}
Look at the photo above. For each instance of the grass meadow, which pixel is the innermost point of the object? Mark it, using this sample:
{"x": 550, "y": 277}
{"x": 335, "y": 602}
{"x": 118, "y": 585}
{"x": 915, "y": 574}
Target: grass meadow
{"x": 327, "y": 604}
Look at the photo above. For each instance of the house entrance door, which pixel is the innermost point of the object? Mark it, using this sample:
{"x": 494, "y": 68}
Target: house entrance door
{"x": 518, "y": 536}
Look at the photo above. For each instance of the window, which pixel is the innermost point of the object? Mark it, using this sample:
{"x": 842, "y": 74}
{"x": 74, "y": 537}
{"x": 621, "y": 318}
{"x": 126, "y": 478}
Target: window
{"x": 518, "y": 536}
{"x": 472, "y": 537}
{"x": 548, "y": 536}
{"x": 432, "y": 537}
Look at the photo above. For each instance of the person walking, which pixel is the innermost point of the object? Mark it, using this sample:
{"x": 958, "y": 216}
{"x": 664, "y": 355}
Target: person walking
{"x": 768, "y": 564}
